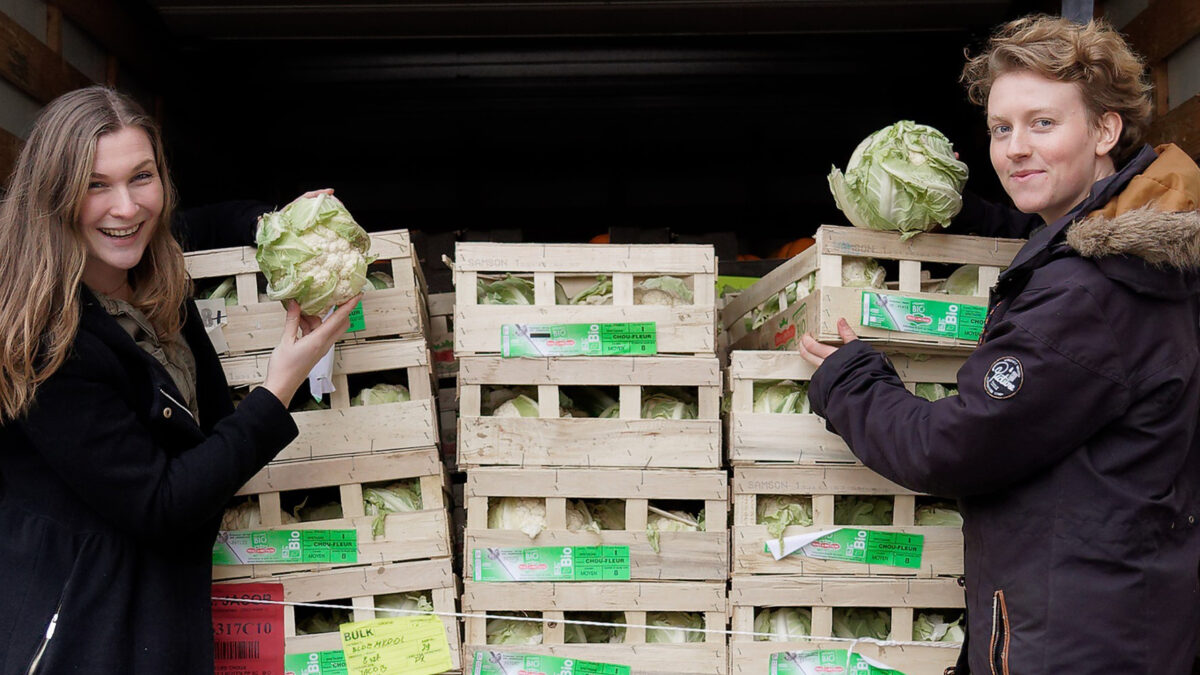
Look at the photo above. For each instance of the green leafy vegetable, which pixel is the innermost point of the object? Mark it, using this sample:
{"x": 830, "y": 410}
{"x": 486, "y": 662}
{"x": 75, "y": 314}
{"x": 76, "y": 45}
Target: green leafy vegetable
{"x": 248, "y": 516}
{"x": 511, "y": 632}
{"x": 933, "y": 627}
{"x": 662, "y": 291}
{"x": 783, "y": 624}
{"x": 578, "y": 634}
{"x": 857, "y": 622}
{"x": 660, "y": 521}
{"x": 600, "y": 293}
{"x": 852, "y": 510}
{"x": 323, "y": 620}
{"x": 962, "y": 281}
{"x": 409, "y": 602}
{"x": 667, "y": 625}
{"x": 862, "y": 273}
{"x": 902, "y": 178}
{"x": 785, "y": 397}
{"x": 940, "y": 514}
{"x": 778, "y": 512}
{"x": 399, "y": 497}
{"x": 312, "y": 251}
{"x": 668, "y": 403}
{"x": 521, "y": 406}
{"x": 381, "y": 393}
{"x": 512, "y": 291}
{"x": 380, "y": 280}
{"x": 226, "y": 290}
{"x": 933, "y": 392}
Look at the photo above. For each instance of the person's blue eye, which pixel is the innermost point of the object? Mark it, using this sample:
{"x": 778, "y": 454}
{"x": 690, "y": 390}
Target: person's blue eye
{"x": 998, "y": 130}
{"x": 1043, "y": 123}
{"x": 95, "y": 185}
{"x": 143, "y": 176}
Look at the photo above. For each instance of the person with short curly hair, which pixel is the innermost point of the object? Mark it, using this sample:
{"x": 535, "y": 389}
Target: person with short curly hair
{"x": 1073, "y": 445}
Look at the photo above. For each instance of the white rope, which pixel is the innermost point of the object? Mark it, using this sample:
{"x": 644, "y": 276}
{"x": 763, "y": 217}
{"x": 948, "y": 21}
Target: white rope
{"x": 461, "y": 615}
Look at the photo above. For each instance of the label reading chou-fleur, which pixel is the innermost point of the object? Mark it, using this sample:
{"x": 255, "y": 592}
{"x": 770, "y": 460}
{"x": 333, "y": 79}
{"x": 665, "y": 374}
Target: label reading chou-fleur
{"x": 259, "y": 547}
{"x": 920, "y": 316}
{"x": 578, "y": 339}
{"x": 552, "y": 563}
{"x": 500, "y": 663}
{"x": 826, "y": 662}
{"x": 856, "y": 545}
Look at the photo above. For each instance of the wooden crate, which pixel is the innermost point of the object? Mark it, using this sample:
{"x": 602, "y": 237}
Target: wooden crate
{"x": 682, "y": 555}
{"x": 818, "y": 313}
{"x": 686, "y": 329}
{"x": 441, "y": 335}
{"x": 822, "y": 594}
{"x": 257, "y": 326}
{"x": 348, "y": 430}
{"x": 407, "y": 536}
{"x": 628, "y": 441}
{"x": 633, "y": 598}
{"x": 802, "y": 438}
{"x": 360, "y": 585}
{"x": 943, "y": 551}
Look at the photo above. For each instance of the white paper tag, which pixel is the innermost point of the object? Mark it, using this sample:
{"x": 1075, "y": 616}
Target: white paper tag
{"x": 212, "y": 313}
{"x": 795, "y": 543}
{"x": 320, "y": 378}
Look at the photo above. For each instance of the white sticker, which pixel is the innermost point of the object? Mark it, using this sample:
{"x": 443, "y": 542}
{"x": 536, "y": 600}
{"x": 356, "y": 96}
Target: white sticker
{"x": 1004, "y": 378}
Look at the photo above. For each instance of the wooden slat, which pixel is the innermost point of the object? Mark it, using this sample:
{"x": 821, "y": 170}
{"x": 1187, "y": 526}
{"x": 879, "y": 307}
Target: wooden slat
{"x": 54, "y": 29}
{"x": 33, "y": 67}
{"x": 651, "y": 259}
{"x": 681, "y": 371}
{"x": 1180, "y": 126}
{"x": 1163, "y": 27}
{"x": 362, "y": 430}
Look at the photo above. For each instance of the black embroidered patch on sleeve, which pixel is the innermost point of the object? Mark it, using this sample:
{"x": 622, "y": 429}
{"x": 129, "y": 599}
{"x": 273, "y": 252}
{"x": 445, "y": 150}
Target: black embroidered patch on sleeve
{"x": 1004, "y": 378}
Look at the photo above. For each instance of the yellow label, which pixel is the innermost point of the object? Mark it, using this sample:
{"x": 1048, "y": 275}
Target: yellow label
{"x": 401, "y": 645}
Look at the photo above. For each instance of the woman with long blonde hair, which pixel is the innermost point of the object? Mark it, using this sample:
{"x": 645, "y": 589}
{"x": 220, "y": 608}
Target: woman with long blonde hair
{"x": 119, "y": 445}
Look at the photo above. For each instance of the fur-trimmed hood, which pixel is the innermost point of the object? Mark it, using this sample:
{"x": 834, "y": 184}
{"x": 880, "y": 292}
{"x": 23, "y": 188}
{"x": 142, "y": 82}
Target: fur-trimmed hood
{"x": 1161, "y": 239}
{"x": 1154, "y": 217}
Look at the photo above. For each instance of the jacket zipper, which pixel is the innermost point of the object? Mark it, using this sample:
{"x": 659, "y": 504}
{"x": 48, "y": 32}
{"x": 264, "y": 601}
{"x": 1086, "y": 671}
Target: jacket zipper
{"x": 179, "y": 405}
{"x": 41, "y": 650}
{"x": 998, "y": 649}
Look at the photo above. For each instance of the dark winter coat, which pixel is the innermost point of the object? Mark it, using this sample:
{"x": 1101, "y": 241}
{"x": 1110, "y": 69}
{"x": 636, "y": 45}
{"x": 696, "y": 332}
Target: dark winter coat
{"x": 1073, "y": 444}
{"x": 110, "y": 499}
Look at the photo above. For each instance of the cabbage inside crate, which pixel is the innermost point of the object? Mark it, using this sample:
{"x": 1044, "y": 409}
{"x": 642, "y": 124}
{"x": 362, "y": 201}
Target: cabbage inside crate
{"x": 755, "y": 436}
{"x": 840, "y": 497}
{"x": 635, "y": 604}
{"x": 255, "y": 323}
{"x": 784, "y": 316}
{"x": 626, "y": 441}
{"x": 687, "y": 328}
{"x": 361, "y": 590}
{"x": 334, "y": 491}
{"x": 346, "y": 429}
{"x": 623, "y": 503}
{"x": 892, "y": 605}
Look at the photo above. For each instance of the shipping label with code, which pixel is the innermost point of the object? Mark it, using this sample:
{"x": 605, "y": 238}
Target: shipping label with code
{"x": 826, "y": 662}
{"x": 247, "y": 636}
{"x": 498, "y": 663}
{"x": 316, "y": 663}
{"x": 578, "y": 339}
{"x": 414, "y": 645}
{"x": 869, "y": 547}
{"x": 925, "y": 317}
{"x": 265, "y": 547}
{"x": 552, "y": 563}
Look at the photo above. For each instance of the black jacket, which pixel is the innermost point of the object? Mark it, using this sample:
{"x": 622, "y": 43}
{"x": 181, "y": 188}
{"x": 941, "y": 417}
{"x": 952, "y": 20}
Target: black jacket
{"x": 110, "y": 499}
{"x": 1072, "y": 445}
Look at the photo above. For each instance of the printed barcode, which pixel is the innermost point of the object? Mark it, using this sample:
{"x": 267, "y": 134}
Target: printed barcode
{"x": 227, "y": 651}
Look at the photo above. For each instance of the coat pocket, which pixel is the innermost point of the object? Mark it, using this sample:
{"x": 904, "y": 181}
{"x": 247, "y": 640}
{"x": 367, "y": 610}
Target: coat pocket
{"x": 998, "y": 648}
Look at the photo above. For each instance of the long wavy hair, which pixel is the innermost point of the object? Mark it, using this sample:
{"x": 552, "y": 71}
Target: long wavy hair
{"x": 42, "y": 251}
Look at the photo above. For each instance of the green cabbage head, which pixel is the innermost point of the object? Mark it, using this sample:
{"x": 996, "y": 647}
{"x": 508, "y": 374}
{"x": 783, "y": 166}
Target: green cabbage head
{"x": 783, "y": 624}
{"x": 312, "y": 251}
{"x": 902, "y": 178}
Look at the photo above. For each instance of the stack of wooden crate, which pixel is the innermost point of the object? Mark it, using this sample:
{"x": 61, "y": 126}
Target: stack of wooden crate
{"x": 793, "y": 455}
{"x": 643, "y": 463}
{"x": 344, "y": 448}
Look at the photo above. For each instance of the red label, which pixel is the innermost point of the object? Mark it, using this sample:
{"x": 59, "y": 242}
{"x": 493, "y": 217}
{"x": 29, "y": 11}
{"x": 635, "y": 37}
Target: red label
{"x": 444, "y": 356}
{"x": 560, "y": 343}
{"x": 917, "y": 318}
{"x": 247, "y": 636}
{"x": 833, "y": 546}
{"x": 784, "y": 337}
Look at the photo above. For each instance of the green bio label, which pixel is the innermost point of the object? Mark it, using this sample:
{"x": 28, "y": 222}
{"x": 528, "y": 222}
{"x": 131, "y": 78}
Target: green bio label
{"x": 254, "y": 547}
{"x": 498, "y": 663}
{"x": 358, "y": 320}
{"x": 925, "y": 317}
{"x": 579, "y": 339}
{"x": 552, "y": 563}
{"x": 869, "y": 547}
{"x": 826, "y": 661}
{"x": 315, "y": 663}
